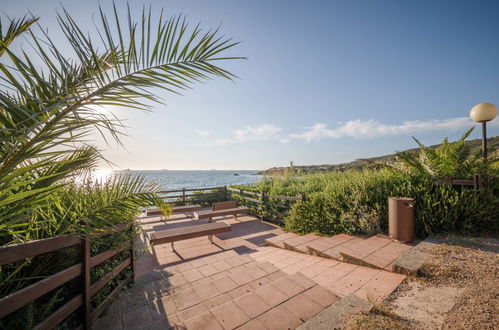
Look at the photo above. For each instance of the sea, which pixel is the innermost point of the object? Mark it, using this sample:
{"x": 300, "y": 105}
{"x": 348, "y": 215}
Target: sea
{"x": 175, "y": 179}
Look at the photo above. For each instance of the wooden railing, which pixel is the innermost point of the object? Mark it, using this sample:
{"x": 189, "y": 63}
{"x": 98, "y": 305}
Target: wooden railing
{"x": 82, "y": 268}
{"x": 477, "y": 181}
{"x": 225, "y": 193}
{"x": 188, "y": 195}
{"x": 266, "y": 209}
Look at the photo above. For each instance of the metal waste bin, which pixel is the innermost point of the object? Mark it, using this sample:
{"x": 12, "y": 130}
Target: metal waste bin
{"x": 401, "y": 218}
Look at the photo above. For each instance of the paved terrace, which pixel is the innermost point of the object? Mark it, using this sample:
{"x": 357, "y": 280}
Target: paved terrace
{"x": 237, "y": 282}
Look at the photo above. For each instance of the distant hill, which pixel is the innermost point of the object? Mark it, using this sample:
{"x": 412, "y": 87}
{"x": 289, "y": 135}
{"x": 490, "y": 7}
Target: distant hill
{"x": 493, "y": 144}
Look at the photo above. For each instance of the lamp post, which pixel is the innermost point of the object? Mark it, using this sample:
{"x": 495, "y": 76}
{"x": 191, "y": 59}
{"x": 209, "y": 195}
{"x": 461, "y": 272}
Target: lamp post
{"x": 482, "y": 113}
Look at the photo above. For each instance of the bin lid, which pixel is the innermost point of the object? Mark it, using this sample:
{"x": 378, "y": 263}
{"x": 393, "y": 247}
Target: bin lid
{"x": 402, "y": 198}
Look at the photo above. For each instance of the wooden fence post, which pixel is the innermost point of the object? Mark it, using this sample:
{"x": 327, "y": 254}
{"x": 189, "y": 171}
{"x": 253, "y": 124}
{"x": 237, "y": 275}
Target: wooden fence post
{"x": 85, "y": 252}
{"x": 262, "y": 205}
{"x": 132, "y": 257}
{"x": 226, "y": 196}
{"x": 476, "y": 180}
{"x": 183, "y": 196}
{"x": 303, "y": 198}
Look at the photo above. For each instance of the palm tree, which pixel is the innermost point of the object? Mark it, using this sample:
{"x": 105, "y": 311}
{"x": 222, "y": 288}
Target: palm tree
{"x": 457, "y": 160}
{"x": 50, "y": 101}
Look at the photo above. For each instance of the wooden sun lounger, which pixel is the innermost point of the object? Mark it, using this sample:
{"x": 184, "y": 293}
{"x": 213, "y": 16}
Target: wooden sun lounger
{"x": 221, "y": 209}
{"x": 176, "y": 209}
{"x": 179, "y": 234}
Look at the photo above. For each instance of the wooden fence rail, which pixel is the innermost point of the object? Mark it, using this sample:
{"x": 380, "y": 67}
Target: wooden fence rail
{"x": 477, "y": 182}
{"x": 225, "y": 192}
{"x": 82, "y": 268}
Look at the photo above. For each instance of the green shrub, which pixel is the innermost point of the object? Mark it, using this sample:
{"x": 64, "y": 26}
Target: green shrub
{"x": 357, "y": 202}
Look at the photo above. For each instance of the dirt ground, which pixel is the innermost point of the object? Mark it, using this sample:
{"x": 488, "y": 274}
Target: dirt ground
{"x": 457, "y": 289}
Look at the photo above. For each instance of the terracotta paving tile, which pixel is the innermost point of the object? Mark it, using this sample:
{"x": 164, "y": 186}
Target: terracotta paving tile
{"x": 258, "y": 283}
{"x": 241, "y": 277}
{"x": 381, "y": 285}
{"x": 279, "y": 318}
{"x": 271, "y": 295}
{"x": 206, "y": 291}
{"x": 177, "y": 280}
{"x": 192, "y": 275}
{"x": 317, "y": 269}
{"x": 225, "y": 284}
{"x": 255, "y": 272}
{"x": 329, "y": 277}
{"x": 332, "y": 253}
{"x": 276, "y": 275}
{"x": 239, "y": 291}
{"x": 252, "y": 304}
{"x": 219, "y": 275}
{"x": 354, "y": 281}
{"x": 218, "y": 300}
{"x": 321, "y": 296}
{"x": 378, "y": 261}
{"x": 301, "y": 280}
{"x": 184, "y": 266}
{"x": 287, "y": 286}
{"x": 165, "y": 323}
{"x": 205, "y": 321}
{"x": 268, "y": 267}
{"x": 345, "y": 267}
{"x": 235, "y": 261}
{"x": 208, "y": 270}
{"x": 198, "y": 263}
{"x": 254, "y": 324}
{"x": 229, "y": 315}
{"x": 303, "y": 307}
{"x": 162, "y": 307}
{"x": 185, "y": 299}
{"x": 201, "y": 281}
{"x": 222, "y": 265}
{"x": 191, "y": 312}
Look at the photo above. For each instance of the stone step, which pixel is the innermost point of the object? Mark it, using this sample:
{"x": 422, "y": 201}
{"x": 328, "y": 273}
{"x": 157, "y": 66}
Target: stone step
{"x": 278, "y": 241}
{"x": 377, "y": 252}
{"x": 330, "y": 247}
{"x": 299, "y": 243}
{"x": 281, "y": 304}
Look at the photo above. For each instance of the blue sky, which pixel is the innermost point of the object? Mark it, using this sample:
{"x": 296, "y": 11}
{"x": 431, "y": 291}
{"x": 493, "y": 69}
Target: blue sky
{"x": 325, "y": 81}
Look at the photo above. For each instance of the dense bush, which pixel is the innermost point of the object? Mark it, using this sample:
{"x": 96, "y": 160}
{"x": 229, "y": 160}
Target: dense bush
{"x": 356, "y": 201}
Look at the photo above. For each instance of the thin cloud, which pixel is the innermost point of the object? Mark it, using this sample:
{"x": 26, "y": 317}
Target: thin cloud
{"x": 356, "y": 129}
{"x": 252, "y": 133}
{"x": 370, "y": 129}
{"x": 202, "y": 133}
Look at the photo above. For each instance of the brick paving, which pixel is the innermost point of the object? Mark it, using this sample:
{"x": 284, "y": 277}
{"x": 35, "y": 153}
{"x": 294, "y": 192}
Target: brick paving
{"x": 239, "y": 281}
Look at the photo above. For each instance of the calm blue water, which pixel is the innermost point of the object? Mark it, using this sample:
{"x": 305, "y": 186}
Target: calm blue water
{"x": 173, "y": 180}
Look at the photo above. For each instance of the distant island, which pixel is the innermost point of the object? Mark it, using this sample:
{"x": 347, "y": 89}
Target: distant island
{"x": 493, "y": 144}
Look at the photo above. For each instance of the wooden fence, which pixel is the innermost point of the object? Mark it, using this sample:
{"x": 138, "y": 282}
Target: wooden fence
{"x": 477, "y": 182}
{"x": 266, "y": 208}
{"x": 82, "y": 268}
{"x": 190, "y": 196}
{"x": 214, "y": 194}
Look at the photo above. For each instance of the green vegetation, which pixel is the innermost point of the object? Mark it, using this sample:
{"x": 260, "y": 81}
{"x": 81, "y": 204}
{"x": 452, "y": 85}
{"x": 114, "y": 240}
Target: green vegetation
{"x": 372, "y": 163}
{"x": 53, "y": 97}
{"x": 355, "y": 201}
